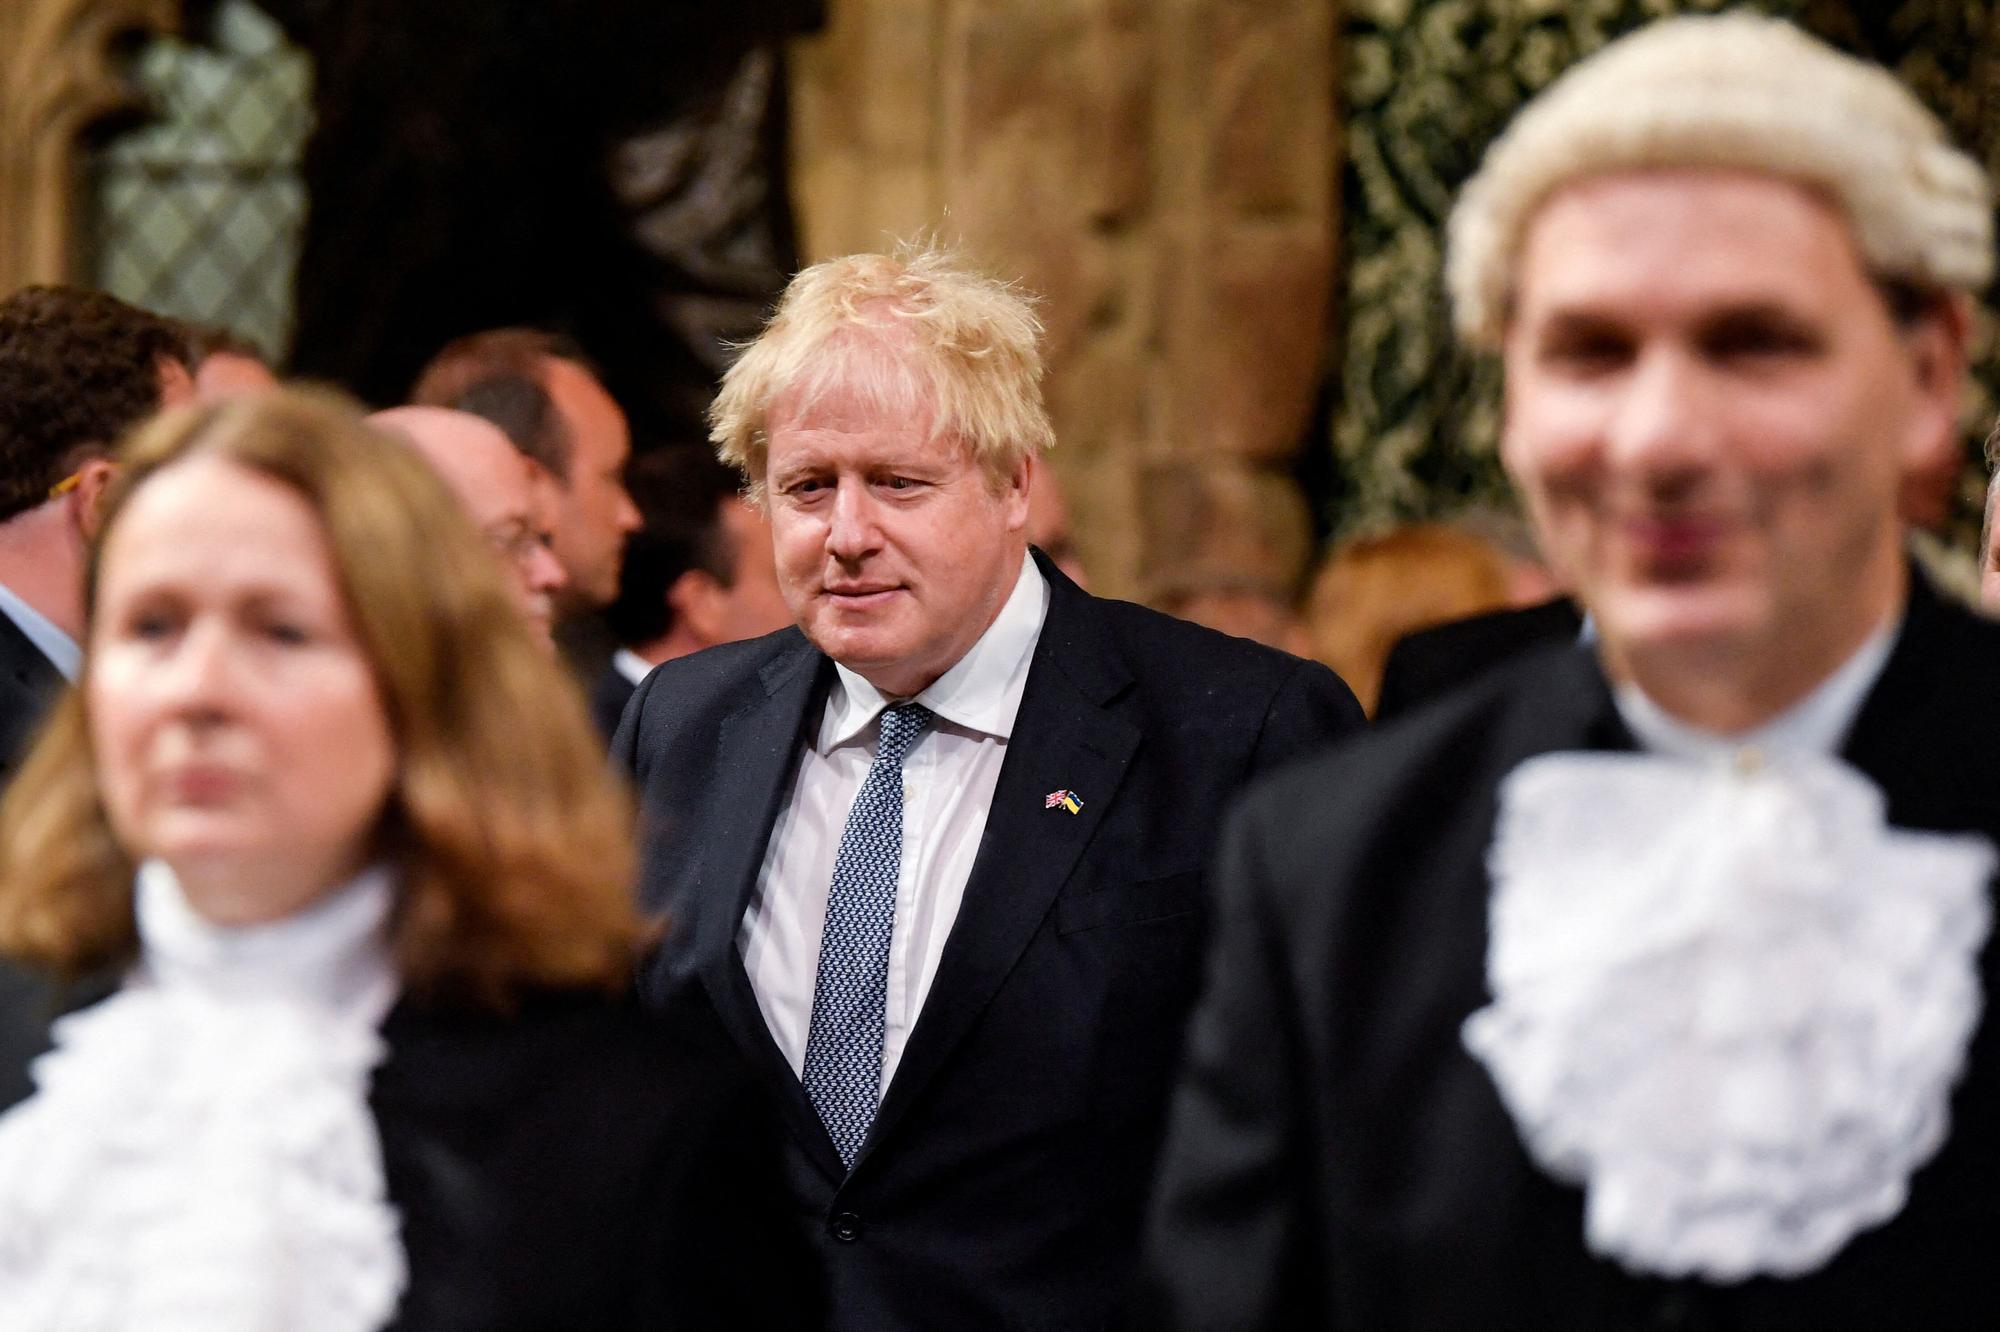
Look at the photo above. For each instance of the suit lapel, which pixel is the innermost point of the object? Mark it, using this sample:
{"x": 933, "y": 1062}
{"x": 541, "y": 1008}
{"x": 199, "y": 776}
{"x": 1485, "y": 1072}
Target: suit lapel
{"x": 27, "y": 665}
{"x": 29, "y": 686}
{"x": 756, "y": 754}
{"x": 1926, "y": 734}
{"x": 1065, "y": 737}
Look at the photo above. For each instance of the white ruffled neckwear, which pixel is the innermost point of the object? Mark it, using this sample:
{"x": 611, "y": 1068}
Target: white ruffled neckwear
{"x": 199, "y": 1152}
{"x": 1729, "y": 1000}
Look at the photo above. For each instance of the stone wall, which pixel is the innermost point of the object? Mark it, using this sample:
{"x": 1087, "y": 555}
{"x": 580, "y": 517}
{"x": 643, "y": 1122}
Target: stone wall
{"x": 57, "y": 80}
{"x": 1162, "y": 171}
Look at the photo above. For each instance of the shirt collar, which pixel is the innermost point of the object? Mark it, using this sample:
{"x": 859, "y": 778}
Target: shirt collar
{"x": 982, "y": 690}
{"x": 61, "y": 650}
{"x": 1816, "y": 724}
{"x": 631, "y": 665}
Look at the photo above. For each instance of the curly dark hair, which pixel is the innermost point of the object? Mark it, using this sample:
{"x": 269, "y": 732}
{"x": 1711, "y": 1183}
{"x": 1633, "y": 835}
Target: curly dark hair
{"x": 77, "y": 370}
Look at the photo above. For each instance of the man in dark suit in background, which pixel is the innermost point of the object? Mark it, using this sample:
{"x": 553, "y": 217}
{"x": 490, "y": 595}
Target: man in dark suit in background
{"x": 936, "y": 856}
{"x": 496, "y": 486}
{"x": 539, "y": 389}
{"x": 1567, "y": 1002}
{"x": 77, "y": 370}
{"x": 1433, "y": 662}
{"x": 697, "y": 573}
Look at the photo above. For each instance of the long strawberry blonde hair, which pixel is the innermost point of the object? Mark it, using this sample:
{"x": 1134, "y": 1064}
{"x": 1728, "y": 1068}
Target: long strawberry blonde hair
{"x": 512, "y": 840}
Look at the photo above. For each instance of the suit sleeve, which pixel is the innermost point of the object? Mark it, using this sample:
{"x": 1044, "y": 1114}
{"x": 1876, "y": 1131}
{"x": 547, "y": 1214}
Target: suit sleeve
{"x": 625, "y": 740}
{"x": 723, "y": 1245}
{"x": 1312, "y": 709}
{"x": 1230, "y": 1214}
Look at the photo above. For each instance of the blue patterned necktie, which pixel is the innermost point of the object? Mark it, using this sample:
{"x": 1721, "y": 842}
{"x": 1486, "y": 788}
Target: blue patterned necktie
{"x": 843, "y": 1071}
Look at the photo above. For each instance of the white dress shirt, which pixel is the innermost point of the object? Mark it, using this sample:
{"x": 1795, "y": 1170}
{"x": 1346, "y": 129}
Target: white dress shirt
{"x": 948, "y": 782}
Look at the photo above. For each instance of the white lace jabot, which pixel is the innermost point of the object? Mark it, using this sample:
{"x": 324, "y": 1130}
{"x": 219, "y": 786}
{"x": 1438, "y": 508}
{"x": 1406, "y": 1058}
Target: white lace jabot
{"x": 1728, "y": 1000}
{"x": 199, "y": 1151}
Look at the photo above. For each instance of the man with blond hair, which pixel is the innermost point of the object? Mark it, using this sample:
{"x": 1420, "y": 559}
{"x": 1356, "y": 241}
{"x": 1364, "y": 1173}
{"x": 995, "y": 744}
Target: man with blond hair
{"x": 935, "y": 855}
{"x": 1639, "y": 985}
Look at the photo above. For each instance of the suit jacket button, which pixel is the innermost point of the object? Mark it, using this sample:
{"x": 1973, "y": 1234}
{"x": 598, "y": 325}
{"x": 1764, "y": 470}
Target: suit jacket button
{"x": 844, "y": 1226}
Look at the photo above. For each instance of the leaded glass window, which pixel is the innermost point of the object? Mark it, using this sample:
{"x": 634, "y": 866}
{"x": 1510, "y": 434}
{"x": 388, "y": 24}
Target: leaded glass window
{"x": 198, "y": 211}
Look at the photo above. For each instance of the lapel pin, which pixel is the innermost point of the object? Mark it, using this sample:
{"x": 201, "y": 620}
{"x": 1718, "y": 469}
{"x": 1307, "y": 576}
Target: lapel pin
{"x": 1068, "y": 800}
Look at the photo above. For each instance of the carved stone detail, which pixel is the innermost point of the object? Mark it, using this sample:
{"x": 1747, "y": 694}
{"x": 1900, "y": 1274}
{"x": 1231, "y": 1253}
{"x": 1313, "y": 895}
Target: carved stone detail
{"x": 57, "y": 78}
{"x": 1163, "y": 172}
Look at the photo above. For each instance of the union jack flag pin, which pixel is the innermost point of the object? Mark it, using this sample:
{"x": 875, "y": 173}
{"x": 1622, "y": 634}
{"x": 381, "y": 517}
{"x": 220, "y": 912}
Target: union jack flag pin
{"x": 1068, "y": 800}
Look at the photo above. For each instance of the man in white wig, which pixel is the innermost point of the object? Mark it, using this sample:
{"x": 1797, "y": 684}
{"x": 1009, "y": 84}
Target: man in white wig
{"x": 1640, "y": 985}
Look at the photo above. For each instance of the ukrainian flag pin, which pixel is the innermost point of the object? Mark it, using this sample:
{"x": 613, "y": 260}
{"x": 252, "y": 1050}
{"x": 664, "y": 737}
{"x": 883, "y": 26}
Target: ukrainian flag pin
{"x": 1068, "y": 800}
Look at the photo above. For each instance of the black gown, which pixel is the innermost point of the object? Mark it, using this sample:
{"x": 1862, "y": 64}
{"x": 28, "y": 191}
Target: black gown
{"x": 1336, "y": 1159}
{"x": 576, "y": 1165}
{"x": 1426, "y": 665}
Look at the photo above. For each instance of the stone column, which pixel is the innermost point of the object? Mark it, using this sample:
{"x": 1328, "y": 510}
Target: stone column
{"x": 1163, "y": 172}
{"x": 57, "y": 78}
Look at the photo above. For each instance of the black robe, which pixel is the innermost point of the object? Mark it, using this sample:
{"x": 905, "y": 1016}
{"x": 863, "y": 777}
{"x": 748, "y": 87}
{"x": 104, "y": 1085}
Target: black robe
{"x": 1336, "y": 1159}
{"x": 1426, "y": 665}
{"x": 578, "y": 1165}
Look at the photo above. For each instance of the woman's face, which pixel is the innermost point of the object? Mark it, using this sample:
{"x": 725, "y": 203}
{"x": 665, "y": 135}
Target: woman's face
{"x": 237, "y": 727}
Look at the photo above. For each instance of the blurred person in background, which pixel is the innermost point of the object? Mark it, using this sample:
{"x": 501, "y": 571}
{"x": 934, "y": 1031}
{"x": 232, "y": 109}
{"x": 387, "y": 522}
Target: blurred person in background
{"x": 541, "y": 391}
{"x": 1240, "y": 605}
{"x": 1529, "y": 580}
{"x": 698, "y": 572}
{"x": 1369, "y": 592}
{"x": 1049, "y": 529}
{"x": 77, "y": 370}
{"x": 343, "y": 888}
{"x": 496, "y": 485}
{"x": 1428, "y": 663}
{"x": 225, "y": 365}
{"x": 1641, "y": 983}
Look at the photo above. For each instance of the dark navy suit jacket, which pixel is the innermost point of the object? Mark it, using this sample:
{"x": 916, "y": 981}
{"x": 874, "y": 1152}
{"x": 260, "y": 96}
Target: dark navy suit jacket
{"x": 609, "y": 693}
{"x": 29, "y": 684}
{"x": 1004, "y": 1178}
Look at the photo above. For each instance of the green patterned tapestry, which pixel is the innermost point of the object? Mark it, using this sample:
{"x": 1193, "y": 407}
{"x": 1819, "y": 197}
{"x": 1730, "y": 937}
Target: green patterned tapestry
{"x": 1428, "y": 84}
